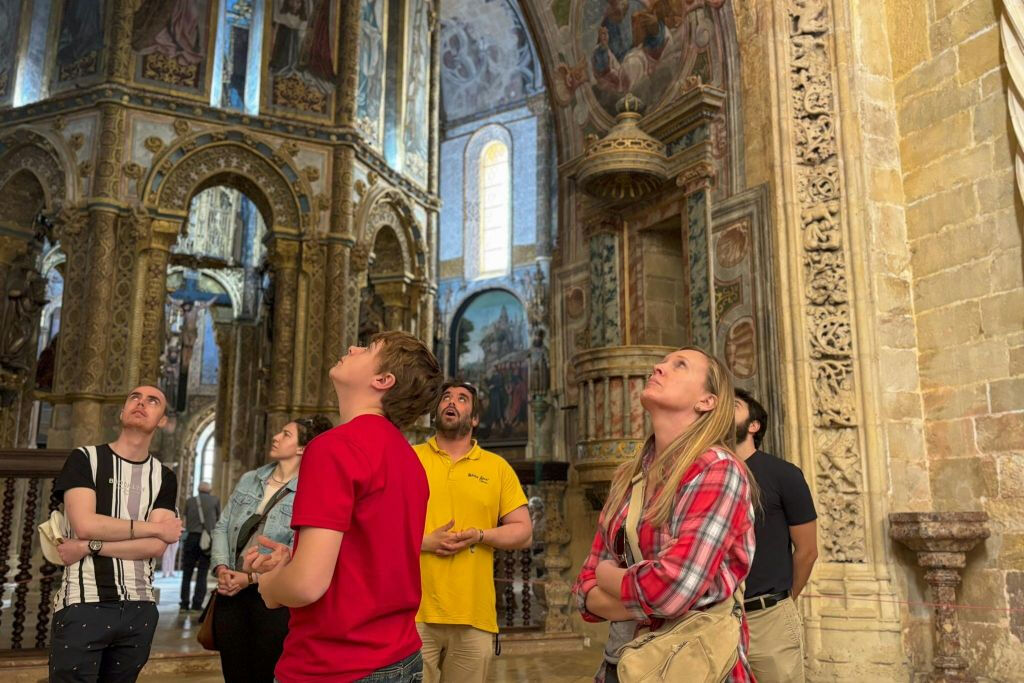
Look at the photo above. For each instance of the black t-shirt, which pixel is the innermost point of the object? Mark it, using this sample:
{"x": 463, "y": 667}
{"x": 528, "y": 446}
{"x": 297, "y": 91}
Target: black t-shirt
{"x": 785, "y": 502}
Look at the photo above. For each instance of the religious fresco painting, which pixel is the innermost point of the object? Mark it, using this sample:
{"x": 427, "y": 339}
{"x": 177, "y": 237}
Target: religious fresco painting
{"x": 171, "y": 40}
{"x": 415, "y": 136}
{"x": 10, "y": 18}
{"x": 486, "y": 60}
{"x": 490, "y": 351}
{"x": 79, "y": 42}
{"x": 372, "y": 66}
{"x": 644, "y": 46}
{"x": 303, "y": 61}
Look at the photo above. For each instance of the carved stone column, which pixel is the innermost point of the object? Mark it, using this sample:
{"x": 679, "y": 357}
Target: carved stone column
{"x": 942, "y": 541}
{"x": 227, "y": 344}
{"x": 556, "y": 559}
{"x": 311, "y": 309}
{"x": 120, "y": 47}
{"x": 697, "y": 182}
{"x": 154, "y": 241}
{"x": 395, "y": 295}
{"x": 284, "y": 256}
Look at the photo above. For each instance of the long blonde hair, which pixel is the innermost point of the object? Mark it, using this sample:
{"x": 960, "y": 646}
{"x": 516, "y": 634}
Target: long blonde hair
{"x": 716, "y": 427}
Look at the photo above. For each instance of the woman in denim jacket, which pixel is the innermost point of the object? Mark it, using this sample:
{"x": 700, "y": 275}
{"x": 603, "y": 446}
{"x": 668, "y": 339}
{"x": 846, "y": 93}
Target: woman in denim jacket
{"x": 248, "y": 635}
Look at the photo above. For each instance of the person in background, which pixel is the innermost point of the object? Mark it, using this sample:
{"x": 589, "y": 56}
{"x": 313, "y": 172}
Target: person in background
{"x": 787, "y": 546}
{"x": 476, "y": 505}
{"x": 248, "y": 635}
{"x": 201, "y": 513}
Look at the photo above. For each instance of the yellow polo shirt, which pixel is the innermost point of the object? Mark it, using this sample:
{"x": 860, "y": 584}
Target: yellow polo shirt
{"x": 476, "y": 491}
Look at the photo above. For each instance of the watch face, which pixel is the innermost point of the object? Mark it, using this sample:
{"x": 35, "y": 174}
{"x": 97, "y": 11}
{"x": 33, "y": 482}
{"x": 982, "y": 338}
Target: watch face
{"x": 95, "y": 546}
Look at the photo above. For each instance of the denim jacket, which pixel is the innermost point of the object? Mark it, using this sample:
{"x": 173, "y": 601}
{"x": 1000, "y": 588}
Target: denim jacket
{"x": 243, "y": 503}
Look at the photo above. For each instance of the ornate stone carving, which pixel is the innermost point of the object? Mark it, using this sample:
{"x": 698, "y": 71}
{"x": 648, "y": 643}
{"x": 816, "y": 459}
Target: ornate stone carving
{"x": 313, "y": 264}
{"x": 121, "y": 50}
{"x": 830, "y": 341}
{"x": 121, "y": 303}
{"x": 839, "y": 481}
{"x": 700, "y": 176}
{"x": 29, "y": 151}
{"x": 111, "y": 145}
{"x": 556, "y": 561}
{"x": 294, "y": 93}
{"x": 252, "y": 168}
{"x": 360, "y": 258}
{"x": 23, "y": 298}
{"x": 170, "y": 70}
{"x": 153, "y": 144}
{"x": 69, "y": 228}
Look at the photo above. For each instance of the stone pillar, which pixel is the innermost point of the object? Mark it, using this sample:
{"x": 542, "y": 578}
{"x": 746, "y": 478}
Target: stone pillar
{"x": 556, "y": 559}
{"x": 396, "y": 297}
{"x": 154, "y": 241}
{"x": 245, "y": 401}
{"x": 227, "y": 338}
{"x": 942, "y": 541}
{"x": 312, "y": 309}
{"x": 22, "y": 297}
{"x": 696, "y": 182}
{"x": 119, "y": 60}
{"x": 284, "y": 256}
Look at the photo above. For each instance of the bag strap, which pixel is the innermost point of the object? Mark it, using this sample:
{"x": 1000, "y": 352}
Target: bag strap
{"x": 636, "y": 508}
{"x": 255, "y": 523}
{"x": 202, "y": 518}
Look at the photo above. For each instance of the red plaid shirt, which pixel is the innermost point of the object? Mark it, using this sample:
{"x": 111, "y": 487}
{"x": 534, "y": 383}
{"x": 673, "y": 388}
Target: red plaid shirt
{"x": 695, "y": 561}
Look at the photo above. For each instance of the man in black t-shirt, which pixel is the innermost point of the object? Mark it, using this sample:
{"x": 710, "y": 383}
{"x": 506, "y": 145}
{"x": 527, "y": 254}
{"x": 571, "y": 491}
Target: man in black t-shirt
{"x": 787, "y": 546}
{"x": 119, "y": 505}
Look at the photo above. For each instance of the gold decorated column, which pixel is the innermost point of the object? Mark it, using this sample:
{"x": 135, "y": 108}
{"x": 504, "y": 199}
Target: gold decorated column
{"x": 154, "y": 241}
{"x": 395, "y": 295}
{"x": 283, "y": 255}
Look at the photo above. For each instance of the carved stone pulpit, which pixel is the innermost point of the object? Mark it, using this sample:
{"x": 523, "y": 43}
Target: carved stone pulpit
{"x": 942, "y": 541}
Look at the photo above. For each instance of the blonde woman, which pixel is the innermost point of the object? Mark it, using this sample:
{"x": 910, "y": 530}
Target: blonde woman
{"x": 695, "y": 530}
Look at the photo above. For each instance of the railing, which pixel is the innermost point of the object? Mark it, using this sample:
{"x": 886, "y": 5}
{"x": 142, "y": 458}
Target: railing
{"x": 28, "y": 580}
{"x": 532, "y": 595}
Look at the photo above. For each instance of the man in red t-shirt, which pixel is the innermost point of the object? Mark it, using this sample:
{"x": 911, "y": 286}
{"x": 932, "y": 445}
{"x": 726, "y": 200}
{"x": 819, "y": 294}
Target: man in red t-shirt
{"x": 353, "y": 579}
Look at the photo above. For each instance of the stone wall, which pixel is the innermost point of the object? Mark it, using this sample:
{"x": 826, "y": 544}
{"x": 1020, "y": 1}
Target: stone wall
{"x": 964, "y": 279}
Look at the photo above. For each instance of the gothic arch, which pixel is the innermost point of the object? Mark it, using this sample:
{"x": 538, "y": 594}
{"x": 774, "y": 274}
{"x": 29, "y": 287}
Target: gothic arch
{"x": 24, "y": 149}
{"x": 236, "y": 159}
{"x": 192, "y": 430}
{"x": 386, "y": 207}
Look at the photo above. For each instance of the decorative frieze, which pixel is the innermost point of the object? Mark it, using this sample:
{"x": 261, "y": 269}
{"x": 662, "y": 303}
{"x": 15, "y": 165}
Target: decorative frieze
{"x": 839, "y": 477}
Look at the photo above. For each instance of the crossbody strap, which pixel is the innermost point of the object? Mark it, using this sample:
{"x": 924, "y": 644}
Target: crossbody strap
{"x": 636, "y": 509}
{"x": 254, "y": 524}
{"x": 202, "y": 517}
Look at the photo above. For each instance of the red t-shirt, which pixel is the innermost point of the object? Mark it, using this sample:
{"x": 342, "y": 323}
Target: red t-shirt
{"x": 361, "y": 478}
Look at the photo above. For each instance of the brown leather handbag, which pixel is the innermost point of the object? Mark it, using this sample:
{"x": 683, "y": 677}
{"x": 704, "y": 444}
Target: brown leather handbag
{"x": 205, "y": 635}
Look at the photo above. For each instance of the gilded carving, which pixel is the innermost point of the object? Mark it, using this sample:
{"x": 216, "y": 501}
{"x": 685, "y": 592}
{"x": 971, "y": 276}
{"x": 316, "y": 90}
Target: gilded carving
{"x": 171, "y": 70}
{"x": 32, "y": 152}
{"x": 76, "y": 141}
{"x": 111, "y": 144}
{"x": 360, "y": 258}
{"x": 819, "y": 192}
{"x": 181, "y": 127}
{"x": 313, "y": 257}
{"x": 182, "y": 178}
{"x": 121, "y": 52}
{"x": 121, "y": 313}
{"x": 294, "y": 93}
{"x": 153, "y": 144}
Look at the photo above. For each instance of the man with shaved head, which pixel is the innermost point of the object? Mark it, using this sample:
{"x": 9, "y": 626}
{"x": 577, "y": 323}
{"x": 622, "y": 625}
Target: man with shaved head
{"x": 119, "y": 504}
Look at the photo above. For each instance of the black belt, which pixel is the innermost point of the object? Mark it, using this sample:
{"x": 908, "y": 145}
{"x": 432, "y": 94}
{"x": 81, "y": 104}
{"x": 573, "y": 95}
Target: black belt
{"x": 764, "y": 601}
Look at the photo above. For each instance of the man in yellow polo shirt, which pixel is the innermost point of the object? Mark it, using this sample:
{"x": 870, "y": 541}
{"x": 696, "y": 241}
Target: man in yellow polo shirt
{"x": 476, "y": 505}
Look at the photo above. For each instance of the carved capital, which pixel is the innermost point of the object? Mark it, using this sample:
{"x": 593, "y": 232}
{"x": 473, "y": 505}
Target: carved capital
{"x": 360, "y": 258}
{"x": 283, "y": 254}
{"x": 700, "y": 176}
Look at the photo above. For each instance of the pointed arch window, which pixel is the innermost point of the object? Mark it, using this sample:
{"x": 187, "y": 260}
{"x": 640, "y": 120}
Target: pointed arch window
{"x": 495, "y": 208}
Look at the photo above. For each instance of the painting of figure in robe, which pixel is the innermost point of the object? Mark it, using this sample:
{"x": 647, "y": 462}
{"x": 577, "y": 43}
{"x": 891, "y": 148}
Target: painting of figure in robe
{"x": 302, "y": 57}
{"x": 370, "y": 86}
{"x": 170, "y": 37}
{"x": 80, "y": 40}
{"x": 10, "y": 16}
{"x": 489, "y": 342}
{"x": 414, "y": 137}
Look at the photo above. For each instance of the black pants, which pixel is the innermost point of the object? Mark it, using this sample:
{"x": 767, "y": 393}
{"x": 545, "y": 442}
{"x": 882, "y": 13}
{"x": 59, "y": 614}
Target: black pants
{"x": 250, "y": 636}
{"x": 101, "y": 641}
{"x": 191, "y": 557}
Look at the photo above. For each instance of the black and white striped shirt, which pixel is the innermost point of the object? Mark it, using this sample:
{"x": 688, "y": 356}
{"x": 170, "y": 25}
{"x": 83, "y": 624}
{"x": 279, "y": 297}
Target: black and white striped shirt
{"x": 124, "y": 490}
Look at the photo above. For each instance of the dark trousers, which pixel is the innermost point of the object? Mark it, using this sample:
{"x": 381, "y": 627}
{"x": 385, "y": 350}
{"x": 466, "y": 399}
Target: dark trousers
{"x": 250, "y": 636}
{"x": 191, "y": 557}
{"x": 101, "y": 641}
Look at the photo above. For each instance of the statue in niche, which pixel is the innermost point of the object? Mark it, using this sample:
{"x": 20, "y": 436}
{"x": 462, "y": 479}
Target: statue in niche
{"x": 26, "y": 296}
{"x": 540, "y": 372}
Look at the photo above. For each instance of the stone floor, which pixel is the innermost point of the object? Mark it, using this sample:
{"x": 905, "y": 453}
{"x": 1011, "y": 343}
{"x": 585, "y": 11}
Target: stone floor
{"x": 176, "y": 634}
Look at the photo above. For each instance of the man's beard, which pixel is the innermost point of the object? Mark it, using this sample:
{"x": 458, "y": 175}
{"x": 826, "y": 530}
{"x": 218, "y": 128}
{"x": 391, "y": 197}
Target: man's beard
{"x": 461, "y": 428}
{"x": 741, "y": 431}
